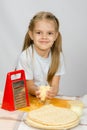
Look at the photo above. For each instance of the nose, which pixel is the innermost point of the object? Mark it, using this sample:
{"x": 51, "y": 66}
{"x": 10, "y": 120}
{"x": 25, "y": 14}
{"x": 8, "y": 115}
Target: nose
{"x": 44, "y": 35}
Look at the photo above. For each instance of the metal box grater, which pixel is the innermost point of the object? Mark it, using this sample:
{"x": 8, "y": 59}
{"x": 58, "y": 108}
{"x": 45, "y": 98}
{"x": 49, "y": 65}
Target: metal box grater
{"x": 16, "y": 92}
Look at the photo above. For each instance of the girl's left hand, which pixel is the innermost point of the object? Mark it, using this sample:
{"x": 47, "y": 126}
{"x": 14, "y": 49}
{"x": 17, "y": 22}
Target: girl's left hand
{"x": 52, "y": 93}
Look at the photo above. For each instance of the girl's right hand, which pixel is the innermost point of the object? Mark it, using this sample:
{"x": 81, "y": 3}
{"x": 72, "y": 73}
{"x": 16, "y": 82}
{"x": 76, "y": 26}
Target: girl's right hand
{"x": 38, "y": 93}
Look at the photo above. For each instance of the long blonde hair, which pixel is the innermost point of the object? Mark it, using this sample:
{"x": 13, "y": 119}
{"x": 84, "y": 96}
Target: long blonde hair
{"x": 55, "y": 49}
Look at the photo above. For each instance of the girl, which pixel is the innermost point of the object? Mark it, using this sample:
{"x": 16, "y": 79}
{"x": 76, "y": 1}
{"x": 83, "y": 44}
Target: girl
{"x": 41, "y": 57}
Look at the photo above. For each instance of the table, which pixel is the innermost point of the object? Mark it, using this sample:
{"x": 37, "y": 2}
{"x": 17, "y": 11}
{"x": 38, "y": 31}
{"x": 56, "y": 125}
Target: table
{"x": 14, "y": 120}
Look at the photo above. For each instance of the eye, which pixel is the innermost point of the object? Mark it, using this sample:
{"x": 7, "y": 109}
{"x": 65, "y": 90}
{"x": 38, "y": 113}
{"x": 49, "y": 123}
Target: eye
{"x": 50, "y": 33}
{"x": 38, "y": 32}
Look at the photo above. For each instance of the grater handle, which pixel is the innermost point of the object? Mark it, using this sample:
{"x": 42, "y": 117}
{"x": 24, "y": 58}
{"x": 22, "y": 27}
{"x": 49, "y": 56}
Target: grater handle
{"x": 21, "y": 72}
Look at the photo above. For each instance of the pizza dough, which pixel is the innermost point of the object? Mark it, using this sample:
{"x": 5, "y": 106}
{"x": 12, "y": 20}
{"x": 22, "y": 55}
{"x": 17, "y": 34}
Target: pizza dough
{"x": 43, "y": 90}
{"x": 52, "y": 118}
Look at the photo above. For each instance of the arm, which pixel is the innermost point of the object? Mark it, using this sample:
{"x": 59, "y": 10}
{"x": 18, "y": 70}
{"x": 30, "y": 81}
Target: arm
{"x": 54, "y": 87}
{"x": 32, "y": 88}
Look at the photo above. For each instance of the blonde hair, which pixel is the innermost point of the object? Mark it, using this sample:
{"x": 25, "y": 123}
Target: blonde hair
{"x": 55, "y": 49}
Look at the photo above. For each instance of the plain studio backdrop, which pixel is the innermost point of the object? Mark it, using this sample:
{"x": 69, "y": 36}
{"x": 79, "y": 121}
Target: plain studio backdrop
{"x": 72, "y": 14}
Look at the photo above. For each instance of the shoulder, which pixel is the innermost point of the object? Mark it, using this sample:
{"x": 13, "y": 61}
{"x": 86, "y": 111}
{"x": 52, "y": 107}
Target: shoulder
{"x": 61, "y": 56}
{"x": 26, "y": 54}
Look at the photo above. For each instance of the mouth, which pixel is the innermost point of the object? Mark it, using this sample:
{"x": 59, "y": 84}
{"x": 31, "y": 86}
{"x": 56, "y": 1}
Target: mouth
{"x": 44, "y": 42}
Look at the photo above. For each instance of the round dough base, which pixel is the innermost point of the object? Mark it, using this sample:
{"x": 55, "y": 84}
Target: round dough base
{"x": 50, "y": 117}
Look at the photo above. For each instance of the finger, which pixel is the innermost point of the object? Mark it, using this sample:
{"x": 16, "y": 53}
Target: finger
{"x": 50, "y": 93}
{"x": 50, "y": 96}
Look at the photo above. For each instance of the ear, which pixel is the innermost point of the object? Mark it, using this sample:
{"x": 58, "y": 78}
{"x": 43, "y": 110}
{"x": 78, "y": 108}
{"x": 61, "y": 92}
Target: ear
{"x": 30, "y": 34}
{"x": 56, "y": 35}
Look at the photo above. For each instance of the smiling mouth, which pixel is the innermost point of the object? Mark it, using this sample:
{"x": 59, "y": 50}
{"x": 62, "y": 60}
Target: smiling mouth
{"x": 45, "y": 42}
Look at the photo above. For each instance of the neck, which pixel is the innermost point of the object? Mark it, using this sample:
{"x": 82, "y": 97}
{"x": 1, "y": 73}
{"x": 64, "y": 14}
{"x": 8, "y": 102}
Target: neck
{"x": 42, "y": 53}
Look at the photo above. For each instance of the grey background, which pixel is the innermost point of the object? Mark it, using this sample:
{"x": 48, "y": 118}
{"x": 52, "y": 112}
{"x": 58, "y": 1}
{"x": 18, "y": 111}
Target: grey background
{"x": 14, "y": 18}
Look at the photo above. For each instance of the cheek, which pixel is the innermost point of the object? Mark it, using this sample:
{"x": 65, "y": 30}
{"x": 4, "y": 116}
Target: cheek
{"x": 52, "y": 39}
{"x": 51, "y": 43}
{"x": 35, "y": 38}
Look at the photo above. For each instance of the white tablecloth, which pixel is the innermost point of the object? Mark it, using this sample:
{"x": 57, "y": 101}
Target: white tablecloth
{"x": 83, "y": 120}
{"x": 14, "y": 120}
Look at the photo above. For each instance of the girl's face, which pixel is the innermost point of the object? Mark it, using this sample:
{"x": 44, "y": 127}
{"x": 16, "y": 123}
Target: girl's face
{"x": 43, "y": 35}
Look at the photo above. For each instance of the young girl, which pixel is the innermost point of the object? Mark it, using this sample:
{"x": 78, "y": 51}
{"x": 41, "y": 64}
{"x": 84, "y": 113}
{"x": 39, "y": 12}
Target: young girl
{"x": 41, "y": 57}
